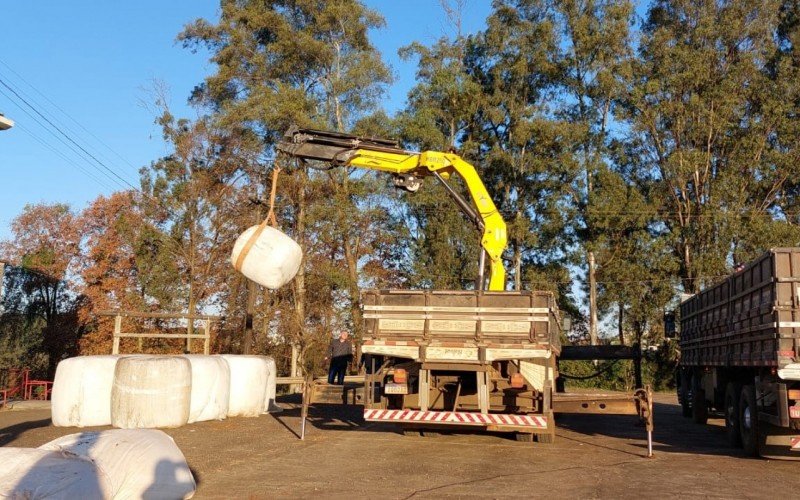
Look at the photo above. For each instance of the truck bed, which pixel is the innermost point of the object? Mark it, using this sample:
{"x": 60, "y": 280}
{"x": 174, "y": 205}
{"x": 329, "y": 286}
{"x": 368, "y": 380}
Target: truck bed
{"x": 751, "y": 318}
{"x": 460, "y": 326}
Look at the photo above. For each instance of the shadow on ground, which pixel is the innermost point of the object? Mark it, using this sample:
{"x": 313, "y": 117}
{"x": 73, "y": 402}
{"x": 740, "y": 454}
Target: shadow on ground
{"x": 10, "y": 434}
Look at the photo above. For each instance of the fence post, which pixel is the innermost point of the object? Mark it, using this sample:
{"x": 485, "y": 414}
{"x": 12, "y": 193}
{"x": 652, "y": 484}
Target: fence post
{"x": 189, "y": 331}
{"x": 117, "y": 332}
{"x": 207, "y": 345}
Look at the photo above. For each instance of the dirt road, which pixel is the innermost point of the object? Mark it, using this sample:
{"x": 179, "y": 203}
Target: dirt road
{"x": 593, "y": 457}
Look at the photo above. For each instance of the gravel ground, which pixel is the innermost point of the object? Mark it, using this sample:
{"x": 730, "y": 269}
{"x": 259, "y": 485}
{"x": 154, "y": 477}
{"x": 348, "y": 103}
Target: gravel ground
{"x": 593, "y": 457}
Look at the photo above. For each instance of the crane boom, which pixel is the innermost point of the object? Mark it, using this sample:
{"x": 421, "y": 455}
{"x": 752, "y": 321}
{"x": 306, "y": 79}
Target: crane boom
{"x": 409, "y": 168}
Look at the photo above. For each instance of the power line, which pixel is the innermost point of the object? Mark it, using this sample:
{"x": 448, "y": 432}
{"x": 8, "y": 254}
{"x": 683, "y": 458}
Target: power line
{"x": 67, "y": 115}
{"x": 64, "y": 157}
{"x": 60, "y": 139}
{"x": 111, "y": 171}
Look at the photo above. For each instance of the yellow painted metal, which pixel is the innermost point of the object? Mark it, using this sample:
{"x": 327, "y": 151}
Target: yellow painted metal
{"x": 494, "y": 236}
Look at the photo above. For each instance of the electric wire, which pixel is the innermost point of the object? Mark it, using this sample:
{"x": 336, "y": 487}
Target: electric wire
{"x": 57, "y": 128}
{"x": 76, "y": 122}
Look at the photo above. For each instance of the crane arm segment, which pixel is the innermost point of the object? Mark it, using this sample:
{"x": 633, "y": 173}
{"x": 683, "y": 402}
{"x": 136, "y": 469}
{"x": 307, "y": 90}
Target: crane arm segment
{"x": 409, "y": 168}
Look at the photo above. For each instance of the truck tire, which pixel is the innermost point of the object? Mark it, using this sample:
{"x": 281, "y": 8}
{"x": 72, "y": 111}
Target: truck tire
{"x": 524, "y": 437}
{"x": 748, "y": 420}
{"x": 732, "y": 427}
{"x": 684, "y": 393}
{"x": 699, "y": 406}
{"x": 548, "y": 438}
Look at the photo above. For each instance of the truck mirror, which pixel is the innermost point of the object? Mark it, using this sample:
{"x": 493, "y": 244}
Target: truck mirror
{"x": 670, "y": 331}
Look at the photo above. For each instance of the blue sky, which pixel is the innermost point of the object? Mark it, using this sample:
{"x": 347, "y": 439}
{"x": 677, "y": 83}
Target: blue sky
{"x": 94, "y": 60}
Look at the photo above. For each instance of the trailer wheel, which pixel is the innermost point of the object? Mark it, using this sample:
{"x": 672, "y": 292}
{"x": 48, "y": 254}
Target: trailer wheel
{"x": 699, "y": 406}
{"x": 732, "y": 428}
{"x": 748, "y": 420}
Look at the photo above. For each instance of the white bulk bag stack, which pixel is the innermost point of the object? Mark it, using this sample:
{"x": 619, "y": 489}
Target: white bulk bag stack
{"x": 272, "y": 379}
{"x": 137, "y": 463}
{"x": 211, "y": 388}
{"x": 82, "y": 391}
{"x": 151, "y": 391}
{"x": 31, "y": 473}
{"x": 249, "y": 376}
{"x": 272, "y": 259}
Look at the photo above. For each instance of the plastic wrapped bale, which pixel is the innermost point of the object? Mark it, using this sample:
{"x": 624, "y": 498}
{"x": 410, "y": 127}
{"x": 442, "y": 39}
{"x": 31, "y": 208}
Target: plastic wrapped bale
{"x": 137, "y": 463}
{"x": 272, "y": 380}
{"x": 211, "y": 388}
{"x": 151, "y": 391}
{"x": 33, "y": 473}
{"x": 267, "y": 256}
{"x": 249, "y": 376}
{"x": 82, "y": 391}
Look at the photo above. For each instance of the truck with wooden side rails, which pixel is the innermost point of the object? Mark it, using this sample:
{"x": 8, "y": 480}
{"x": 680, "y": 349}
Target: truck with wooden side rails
{"x": 740, "y": 344}
{"x": 484, "y": 358}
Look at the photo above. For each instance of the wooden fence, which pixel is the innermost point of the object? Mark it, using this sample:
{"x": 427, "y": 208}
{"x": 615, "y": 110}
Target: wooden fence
{"x": 190, "y": 319}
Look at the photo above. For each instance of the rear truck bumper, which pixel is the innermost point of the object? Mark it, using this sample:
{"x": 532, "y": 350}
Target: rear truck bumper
{"x": 491, "y": 421}
{"x": 778, "y": 442}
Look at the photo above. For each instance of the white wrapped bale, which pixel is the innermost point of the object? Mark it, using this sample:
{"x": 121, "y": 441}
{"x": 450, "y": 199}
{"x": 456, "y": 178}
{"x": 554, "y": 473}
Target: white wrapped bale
{"x": 82, "y": 391}
{"x": 136, "y": 463}
{"x": 32, "y": 473}
{"x": 211, "y": 388}
{"x": 272, "y": 379}
{"x": 249, "y": 376}
{"x": 151, "y": 391}
{"x": 272, "y": 260}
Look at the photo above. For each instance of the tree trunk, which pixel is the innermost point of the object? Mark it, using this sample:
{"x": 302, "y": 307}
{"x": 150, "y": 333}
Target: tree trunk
{"x": 517, "y": 267}
{"x": 592, "y": 301}
{"x": 621, "y": 319}
{"x": 300, "y": 283}
{"x": 248, "y": 317}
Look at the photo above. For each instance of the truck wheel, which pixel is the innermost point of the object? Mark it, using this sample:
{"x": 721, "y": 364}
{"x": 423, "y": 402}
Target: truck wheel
{"x": 732, "y": 427}
{"x": 748, "y": 420}
{"x": 524, "y": 437}
{"x": 684, "y": 394}
{"x": 546, "y": 438}
{"x": 699, "y": 407}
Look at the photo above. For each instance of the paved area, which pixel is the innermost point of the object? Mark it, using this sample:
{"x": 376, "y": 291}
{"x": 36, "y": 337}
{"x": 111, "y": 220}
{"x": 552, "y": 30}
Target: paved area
{"x": 593, "y": 457}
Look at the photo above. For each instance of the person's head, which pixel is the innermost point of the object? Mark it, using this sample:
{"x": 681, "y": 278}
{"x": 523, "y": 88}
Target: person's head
{"x": 343, "y": 335}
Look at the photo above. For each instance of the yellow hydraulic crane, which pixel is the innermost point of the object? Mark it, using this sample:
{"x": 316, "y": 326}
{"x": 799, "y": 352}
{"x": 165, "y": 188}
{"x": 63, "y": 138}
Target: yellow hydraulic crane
{"x": 408, "y": 169}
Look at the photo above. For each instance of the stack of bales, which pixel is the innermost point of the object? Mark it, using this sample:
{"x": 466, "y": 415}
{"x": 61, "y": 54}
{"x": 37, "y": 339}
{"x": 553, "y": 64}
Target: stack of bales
{"x": 133, "y": 392}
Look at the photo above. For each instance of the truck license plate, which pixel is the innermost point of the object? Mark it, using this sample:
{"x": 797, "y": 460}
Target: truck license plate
{"x": 392, "y": 388}
{"x": 794, "y": 411}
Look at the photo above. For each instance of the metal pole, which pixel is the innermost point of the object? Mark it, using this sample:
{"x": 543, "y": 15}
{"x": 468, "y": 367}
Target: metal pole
{"x": 649, "y": 444}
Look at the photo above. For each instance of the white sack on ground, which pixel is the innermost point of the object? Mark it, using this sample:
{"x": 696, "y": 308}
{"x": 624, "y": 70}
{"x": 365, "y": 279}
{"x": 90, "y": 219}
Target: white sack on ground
{"x": 31, "y": 473}
{"x": 151, "y": 391}
{"x": 82, "y": 391}
{"x": 248, "y": 385}
{"x": 211, "y": 388}
{"x": 272, "y": 378}
{"x": 137, "y": 463}
{"x": 272, "y": 261}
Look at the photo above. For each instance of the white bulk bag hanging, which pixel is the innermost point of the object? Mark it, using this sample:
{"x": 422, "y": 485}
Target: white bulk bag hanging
{"x": 266, "y": 256}
{"x": 263, "y": 253}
